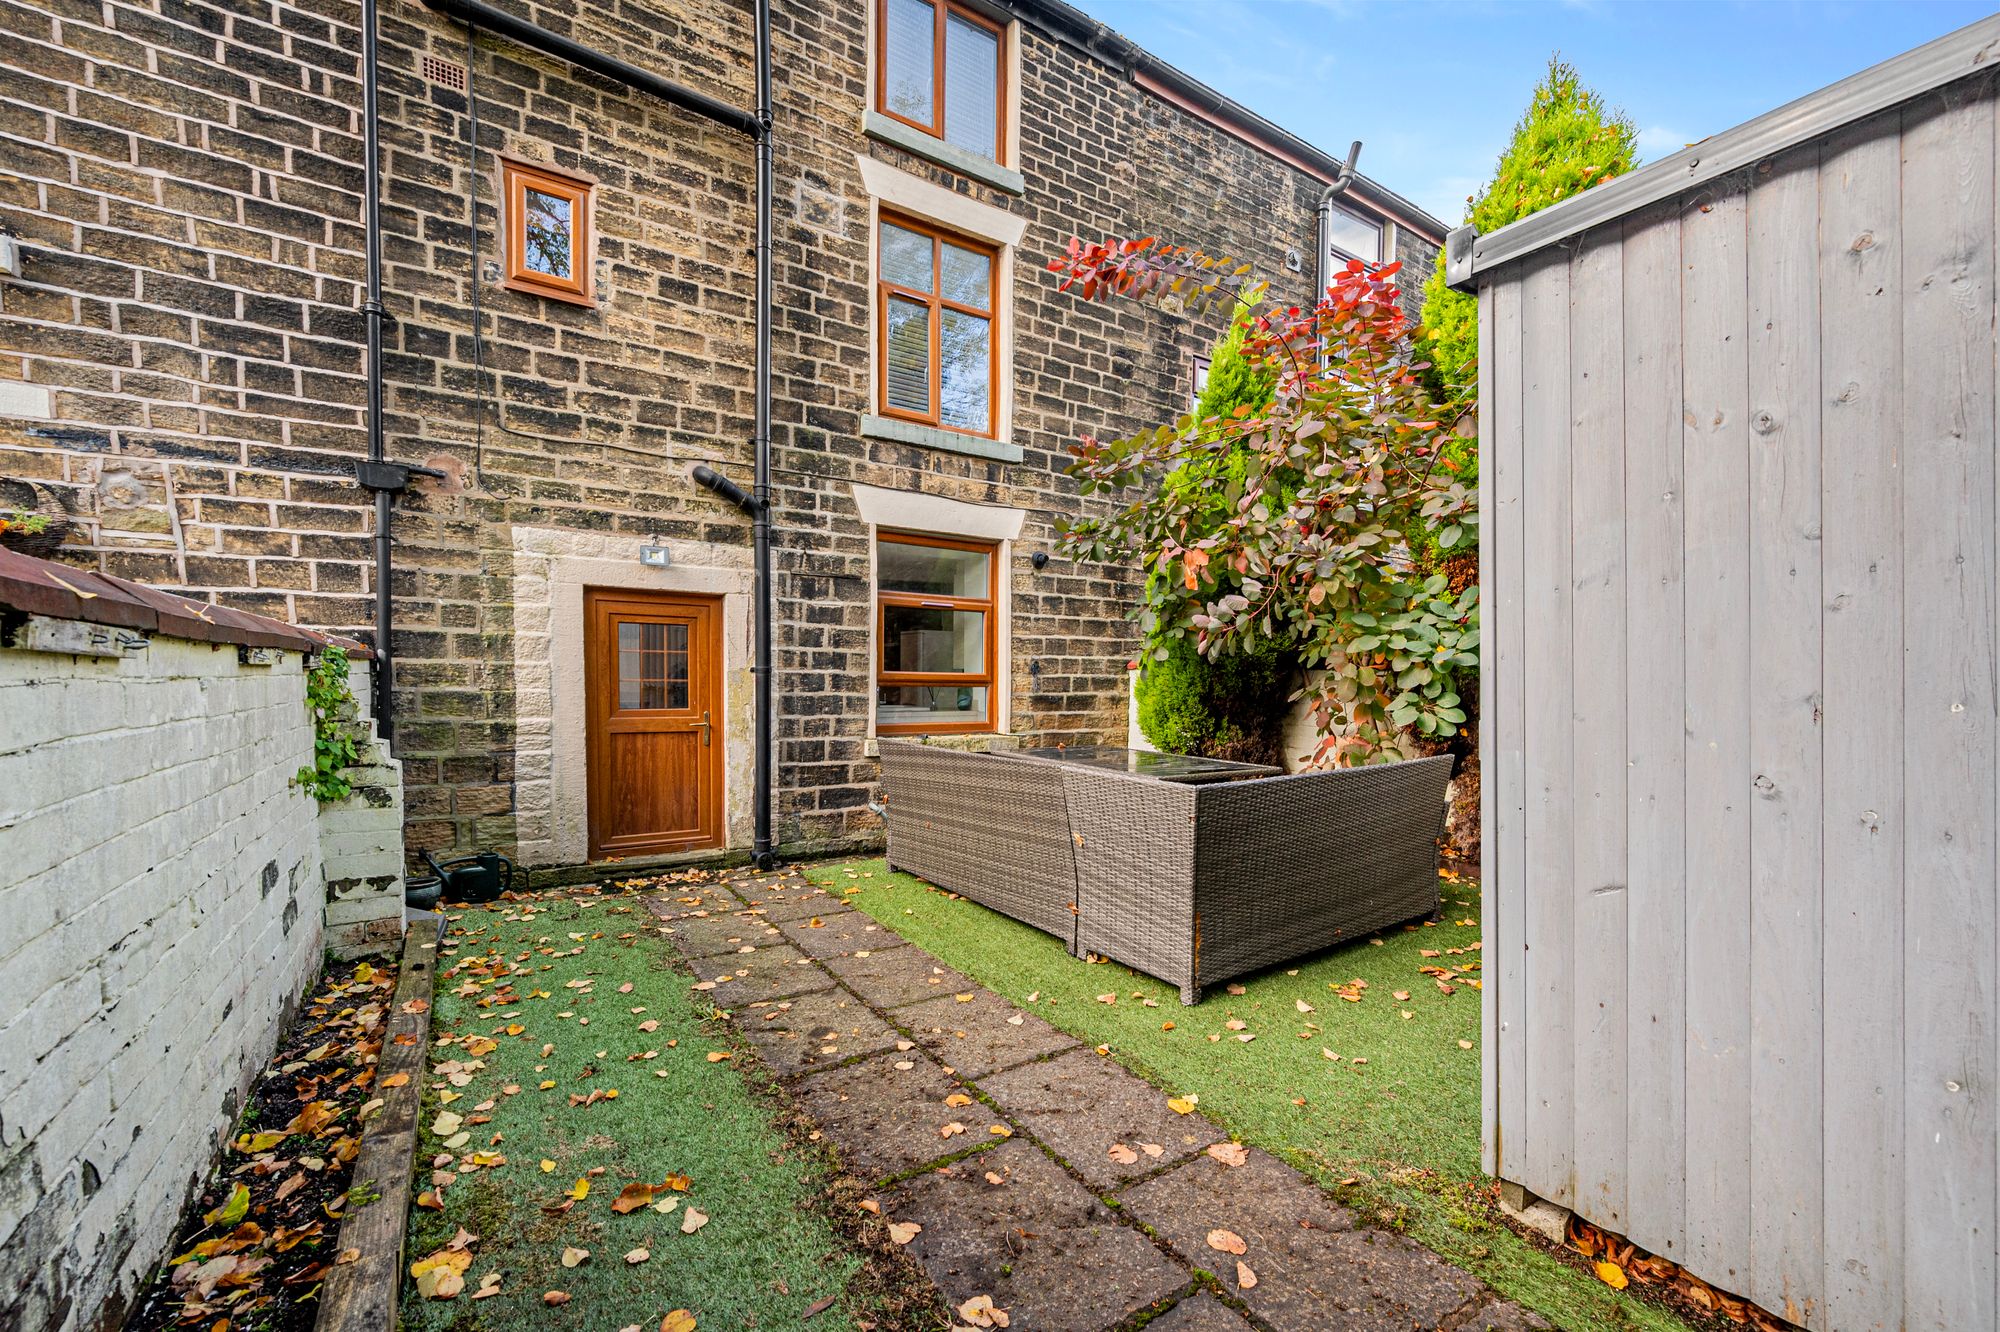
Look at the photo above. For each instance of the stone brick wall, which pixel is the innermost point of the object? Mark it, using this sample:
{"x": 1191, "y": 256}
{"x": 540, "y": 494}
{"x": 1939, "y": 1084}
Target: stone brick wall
{"x": 160, "y": 913}
{"x": 189, "y": 304}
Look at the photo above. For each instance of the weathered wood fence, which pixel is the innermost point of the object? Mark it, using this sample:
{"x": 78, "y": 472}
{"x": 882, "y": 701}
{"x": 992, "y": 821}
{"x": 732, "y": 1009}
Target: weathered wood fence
{"x": 1738, "y": 423}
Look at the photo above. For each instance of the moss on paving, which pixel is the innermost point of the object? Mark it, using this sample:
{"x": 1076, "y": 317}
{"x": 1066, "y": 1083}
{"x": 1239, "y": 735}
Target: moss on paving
{"x": 764, "y": 1256}
{"x": 1396, "y": 1136}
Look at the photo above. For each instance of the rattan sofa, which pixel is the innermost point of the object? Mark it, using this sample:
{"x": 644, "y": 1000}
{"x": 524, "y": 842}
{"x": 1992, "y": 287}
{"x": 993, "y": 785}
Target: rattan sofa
{"x": 1200, "y": 884}
{"x": 988, "y": 826}
{"x": 1193, "y": 884}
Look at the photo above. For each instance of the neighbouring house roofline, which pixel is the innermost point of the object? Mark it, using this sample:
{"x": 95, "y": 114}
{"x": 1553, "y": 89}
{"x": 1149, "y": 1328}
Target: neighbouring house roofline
{"x": 1973, "y": 49}
{"x": 1191, "y": 95}
{"x": 41, "y": 587}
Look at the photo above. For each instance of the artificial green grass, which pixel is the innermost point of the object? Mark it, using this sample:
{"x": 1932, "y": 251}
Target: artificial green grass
{"x": 1392, "y": 1126}
{"x": 765, "y": 1255}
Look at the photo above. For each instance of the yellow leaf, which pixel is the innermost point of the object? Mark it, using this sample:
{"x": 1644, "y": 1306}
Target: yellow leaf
{"x": 680, "y": 1320}
{"x": 571, "y": 1255}
{"x": 580, "y": 1190}
{"x": 1181, "y": 1105}
{"x": 547, "y": 1165}
{"x": 1611, "y": 1274}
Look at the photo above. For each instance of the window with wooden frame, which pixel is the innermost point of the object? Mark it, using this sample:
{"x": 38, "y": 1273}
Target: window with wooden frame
{"x": 547, "y": 217}
{"x": 941, "y": 68}
{"x": 1354, "y": 236}
{"x": 935, "y": 316}
{"x": 935, "y": 634}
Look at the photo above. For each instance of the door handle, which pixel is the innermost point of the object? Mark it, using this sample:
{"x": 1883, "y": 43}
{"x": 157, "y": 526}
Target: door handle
{"x": 706, "y": 729}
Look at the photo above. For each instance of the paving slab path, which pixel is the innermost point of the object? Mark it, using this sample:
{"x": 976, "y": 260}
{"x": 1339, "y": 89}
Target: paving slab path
{"x": 1040, "y": 1174}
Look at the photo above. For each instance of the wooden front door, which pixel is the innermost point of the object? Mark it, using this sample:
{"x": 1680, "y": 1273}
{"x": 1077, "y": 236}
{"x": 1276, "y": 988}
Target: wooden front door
{"x": 653, "y": 681}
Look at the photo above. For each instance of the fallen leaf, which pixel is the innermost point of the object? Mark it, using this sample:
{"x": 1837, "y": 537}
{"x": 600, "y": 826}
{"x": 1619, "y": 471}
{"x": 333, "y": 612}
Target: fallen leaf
{"x": 1465, "y": 1045}
{"x": 632, "y": 1197}
{"x": 1611, "y": 1274}
{"x": 1122, "y": 1154}
{"x": 638, "y": 1256}
{"x": 956, "y": 1099}
{"x": 1226, "y": 1241}
{"x": 555, "y": 1297}
{"x": 992, "y": 1178}
{"x": 980, "y": 1312}
{"x": 547, "y": 1165}
{"x": 571, "y": 1255}
{"x": 951, "y": 1130}
{"x": 717, "y": 1056}
{"x": 1245, "y": 1278}
{"x": 680, "y": 1320}
{"x": 1181, "y": 1105}
{"x": 581, "y": 1189}
{"x": 1303, "y": 1006}
{"x": 902, "y": 1232}
{"x": 1230, "y": 1153}
{"x": 692, "y": 1220}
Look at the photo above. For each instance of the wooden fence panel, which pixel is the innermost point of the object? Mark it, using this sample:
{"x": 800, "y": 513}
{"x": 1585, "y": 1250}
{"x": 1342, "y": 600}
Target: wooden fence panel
{"x": 1597, "y": 721}
{"x": 1655, "y": 735}
{"x": 1861, "y": 561}
{"x": 1784, "y": 351}
{"x": 1548, "y": 1153}
{"x": 1948, "y": 710}
{"x": 1715, "y": 414}
{"x": 1500, "y": 444}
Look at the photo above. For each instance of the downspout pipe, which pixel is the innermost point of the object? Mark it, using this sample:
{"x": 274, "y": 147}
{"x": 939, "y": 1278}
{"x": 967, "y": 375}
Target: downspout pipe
{"x": 757, "y": 125}
{"x": 1339, "y": 185}
{"x": 763, "y": 851}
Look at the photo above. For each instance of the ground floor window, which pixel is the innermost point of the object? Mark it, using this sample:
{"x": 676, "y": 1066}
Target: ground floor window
{"x": 935, "y": 634}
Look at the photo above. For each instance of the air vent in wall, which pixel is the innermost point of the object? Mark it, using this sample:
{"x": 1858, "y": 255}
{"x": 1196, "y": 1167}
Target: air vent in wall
{"x": 444, "y": 73}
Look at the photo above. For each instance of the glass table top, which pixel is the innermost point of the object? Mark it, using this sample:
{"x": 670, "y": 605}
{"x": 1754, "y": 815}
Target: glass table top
{"x": 1146, "y": 763}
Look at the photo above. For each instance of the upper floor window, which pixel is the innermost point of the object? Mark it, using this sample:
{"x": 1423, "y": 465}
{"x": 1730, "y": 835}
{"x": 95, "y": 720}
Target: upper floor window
{"x": 935, "y": 312}
{"x": 1356, "y": 237}
{"x": 548, "y": 223}
{"x": 942, "y": 71}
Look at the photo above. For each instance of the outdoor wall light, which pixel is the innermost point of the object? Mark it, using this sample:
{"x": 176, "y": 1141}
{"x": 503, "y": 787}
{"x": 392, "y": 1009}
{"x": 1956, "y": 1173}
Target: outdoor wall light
{"x": 1040, "y": 559}
{"x": 655, "y": 556}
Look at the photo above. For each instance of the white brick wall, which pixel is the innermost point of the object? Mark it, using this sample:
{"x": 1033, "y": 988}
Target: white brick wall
{"x": 161, "y": 904}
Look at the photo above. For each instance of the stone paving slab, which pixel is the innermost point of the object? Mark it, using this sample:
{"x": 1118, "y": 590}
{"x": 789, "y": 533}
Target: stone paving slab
{"x": 980, "y": 1035}
{"x": 788, "y": 897}
{"x": 813, "y": 1031}
{"x": 1314, "y": 1269}
{"x": 775, "y": 971}
{"x": 890, "y": 978}
{"x": 1081, "y": 1104}
{"x": 884, "y": 1118}
{"x": 1200, "y": 1312}
{"x": 1038, "y": 1243}
{"x": 838, "y": 934}
{"x": 692, "y": 899}
{"x": 713, "y": 934}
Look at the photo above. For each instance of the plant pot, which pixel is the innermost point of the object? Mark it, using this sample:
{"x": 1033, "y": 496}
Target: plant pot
{"x": 422, "y": 891}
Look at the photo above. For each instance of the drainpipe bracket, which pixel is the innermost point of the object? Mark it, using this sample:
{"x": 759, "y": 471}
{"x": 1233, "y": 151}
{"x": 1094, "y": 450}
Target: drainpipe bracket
{"x": 393, "y": 477}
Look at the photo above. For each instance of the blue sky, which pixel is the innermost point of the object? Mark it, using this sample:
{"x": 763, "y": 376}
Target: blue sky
{"x": 1462, "y": 71}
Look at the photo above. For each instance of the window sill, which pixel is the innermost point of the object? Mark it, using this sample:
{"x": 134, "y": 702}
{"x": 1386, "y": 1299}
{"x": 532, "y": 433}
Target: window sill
{"x": 932, "y": 437}
{"x": 879, "y": 126}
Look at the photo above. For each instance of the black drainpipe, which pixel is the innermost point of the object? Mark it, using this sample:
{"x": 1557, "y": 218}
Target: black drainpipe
{"x": 757, "y": 124}
{"x": 1341, "y": 180}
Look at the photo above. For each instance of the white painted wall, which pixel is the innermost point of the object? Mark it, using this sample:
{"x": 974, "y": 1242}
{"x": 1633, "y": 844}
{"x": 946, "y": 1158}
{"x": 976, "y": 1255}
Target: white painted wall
{"x": 160, "y": 912}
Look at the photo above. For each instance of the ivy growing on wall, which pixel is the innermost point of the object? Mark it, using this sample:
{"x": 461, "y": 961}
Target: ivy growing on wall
{"x": 331, "y": 702}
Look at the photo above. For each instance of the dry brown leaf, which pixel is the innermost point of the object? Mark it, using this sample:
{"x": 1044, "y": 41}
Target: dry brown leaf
{"x": 902, "y": 1232}
{"x": 553, "y": 1297}
{"x": 1230, "y": 1153}
{"x": 692, "y": 1220}
{"x": 1245, "y": 1278}
{"x": 1122, "y": 1154}
{"x": 1226, "y": 1241}
{"x": 638, "y": 1256}
{"x": 571, "y": 1255}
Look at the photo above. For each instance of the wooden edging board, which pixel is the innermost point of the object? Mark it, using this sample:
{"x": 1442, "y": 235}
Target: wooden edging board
{"x": 360, "y": 1296}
